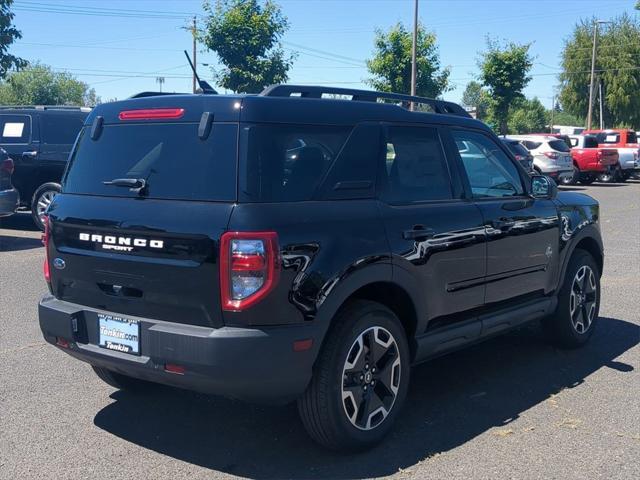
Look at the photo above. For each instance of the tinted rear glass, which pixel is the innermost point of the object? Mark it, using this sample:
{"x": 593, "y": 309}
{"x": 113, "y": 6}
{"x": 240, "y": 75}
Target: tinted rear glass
{"x": 287, "y": 163}
{"x": 559, "y": 145}
{"x": 15, "y": 129}
{"x": 517, "y": 149}
{"x": 170, "y": 157}
{"x": 632, "y": 137}
{"x": 608, "y": 137}
{"x": 60, "y": 129}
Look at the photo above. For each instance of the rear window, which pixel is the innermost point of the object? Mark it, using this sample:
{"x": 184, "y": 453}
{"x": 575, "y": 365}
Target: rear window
{"x": 172, "y": 159}
{"x": 608, "y": 137}
{"x": 559, "y": 146}
{"x": 632, "y": 137}
{"x": 15, "y": 129}
{"x": 60, "y": 129}
{"x": 531, "y": 145}
{"x": 517, "y": 149}
{"x": 287, "y": 163}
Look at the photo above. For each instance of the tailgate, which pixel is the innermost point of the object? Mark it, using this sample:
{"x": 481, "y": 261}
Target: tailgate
{"x": 150, "y": 258}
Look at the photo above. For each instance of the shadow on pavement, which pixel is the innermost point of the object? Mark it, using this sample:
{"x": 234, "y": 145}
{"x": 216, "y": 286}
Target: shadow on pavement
{"x": 452, "y": 400}
{"x": 19, "y": 221}
{"x": 13, "y": 244}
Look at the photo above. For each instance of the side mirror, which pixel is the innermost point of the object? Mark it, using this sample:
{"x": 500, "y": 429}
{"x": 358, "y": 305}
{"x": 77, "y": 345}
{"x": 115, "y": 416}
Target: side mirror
{"x": 543, "y": 187}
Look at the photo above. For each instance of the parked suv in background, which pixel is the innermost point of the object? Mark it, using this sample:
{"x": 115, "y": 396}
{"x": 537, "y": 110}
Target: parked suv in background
{"x": 591, "y": 161}
{"x": 288, "y": 246}
{"x": 626, "y": 142}
{"x": 551, "y": 155}
{"x": 39, "y": 140}
{"x": 520, "y": 153}
{"x": 8, "y": 194}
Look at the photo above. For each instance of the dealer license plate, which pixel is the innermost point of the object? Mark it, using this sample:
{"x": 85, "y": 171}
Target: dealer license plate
{"x": 119, "y": 334}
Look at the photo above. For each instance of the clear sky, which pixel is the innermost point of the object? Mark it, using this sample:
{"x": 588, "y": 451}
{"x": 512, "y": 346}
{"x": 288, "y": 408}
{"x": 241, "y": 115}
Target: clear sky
{"x": 119, "y": 47}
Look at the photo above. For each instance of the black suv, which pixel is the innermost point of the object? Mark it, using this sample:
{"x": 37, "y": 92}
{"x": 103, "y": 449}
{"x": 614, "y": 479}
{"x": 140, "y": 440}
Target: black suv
{"x": 39, "y": 140}
{"x": 289, "y": 246}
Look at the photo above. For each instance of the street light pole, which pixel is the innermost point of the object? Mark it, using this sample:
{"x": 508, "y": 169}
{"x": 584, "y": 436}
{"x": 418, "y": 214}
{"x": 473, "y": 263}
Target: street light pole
{"x": 414, "y": 66}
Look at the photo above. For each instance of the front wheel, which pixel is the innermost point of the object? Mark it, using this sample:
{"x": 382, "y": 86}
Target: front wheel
{"x": 573, "y": 179}
{"x": 578, "y": 303}
{"x": 41, "y": 200}
{"x": 360, "y": 380}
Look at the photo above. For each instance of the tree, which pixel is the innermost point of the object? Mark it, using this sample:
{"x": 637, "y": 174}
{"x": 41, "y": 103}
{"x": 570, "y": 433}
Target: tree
{"x": 527, "y": 116}
{"x": 503, "y": 70}
{"x": 474, "y": 96}
{"x": 391, "y": 63}
{"x": 8, "y": 35}
{"x": 39, "y": 85}
{"x": 245, "y": 35}
{"x": 617, "y": 55}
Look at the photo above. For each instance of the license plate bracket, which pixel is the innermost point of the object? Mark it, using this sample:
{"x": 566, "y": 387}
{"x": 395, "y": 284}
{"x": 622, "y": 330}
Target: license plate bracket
{"x": 119, "y": 334}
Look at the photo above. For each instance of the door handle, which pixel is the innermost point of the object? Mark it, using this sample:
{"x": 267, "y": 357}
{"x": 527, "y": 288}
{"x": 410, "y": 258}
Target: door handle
{"x": 32, "y": 153}
{"x": 418, "y": 232}
{"x": 503, "y": 223}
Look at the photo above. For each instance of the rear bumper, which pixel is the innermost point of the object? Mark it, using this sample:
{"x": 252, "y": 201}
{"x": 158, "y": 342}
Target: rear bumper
{"x": 9, "y": 200}
{"x": 252, "y": 364}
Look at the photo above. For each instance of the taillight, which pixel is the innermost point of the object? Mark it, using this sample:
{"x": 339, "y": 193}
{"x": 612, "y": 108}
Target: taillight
{"x": 45, "y": 242}
{"x": 151, "y": 113}
{"x": 552, "y": 155}
{"x": 249, "y": 268}
{"x": 7, "y": 166}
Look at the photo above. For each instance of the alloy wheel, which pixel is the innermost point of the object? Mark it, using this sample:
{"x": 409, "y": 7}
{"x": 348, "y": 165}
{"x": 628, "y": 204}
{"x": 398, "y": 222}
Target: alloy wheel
{"x": 44, "y": 201}
{"x": 583, "y": 298}
{"x": 371, "y": 378}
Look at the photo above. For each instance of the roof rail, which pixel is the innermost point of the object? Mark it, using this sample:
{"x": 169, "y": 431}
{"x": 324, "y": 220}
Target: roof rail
{"x": 155, "y": 94}
{"x": 45, "y": 107}
{"x": 438, "y": 106}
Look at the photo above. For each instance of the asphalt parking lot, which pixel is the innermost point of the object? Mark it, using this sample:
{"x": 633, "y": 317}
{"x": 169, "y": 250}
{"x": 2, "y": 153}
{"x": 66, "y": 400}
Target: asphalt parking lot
{"x": 513, "y": 407}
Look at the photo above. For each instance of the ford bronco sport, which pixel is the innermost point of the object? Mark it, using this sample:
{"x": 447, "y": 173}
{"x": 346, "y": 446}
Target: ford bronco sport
{"x": 305, "y": 244}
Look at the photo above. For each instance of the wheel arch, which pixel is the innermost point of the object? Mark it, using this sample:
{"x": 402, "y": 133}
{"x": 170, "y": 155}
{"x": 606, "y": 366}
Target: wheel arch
{"x": 587, "y": 239}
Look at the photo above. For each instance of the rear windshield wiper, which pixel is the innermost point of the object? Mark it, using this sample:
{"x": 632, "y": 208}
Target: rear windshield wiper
{"x": 136, "y": 185}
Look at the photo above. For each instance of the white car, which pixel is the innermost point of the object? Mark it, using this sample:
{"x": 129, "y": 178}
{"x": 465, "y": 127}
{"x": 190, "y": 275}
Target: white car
{"x": 551, "y": 155}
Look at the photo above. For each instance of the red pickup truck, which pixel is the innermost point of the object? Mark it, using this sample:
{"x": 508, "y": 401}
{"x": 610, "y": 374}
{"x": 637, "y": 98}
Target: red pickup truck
{"x": 626, "y": 142}
{"x": 590, "y": 161}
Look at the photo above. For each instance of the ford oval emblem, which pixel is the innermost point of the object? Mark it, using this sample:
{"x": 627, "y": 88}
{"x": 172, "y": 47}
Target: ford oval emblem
{"x": 59, "y": 263}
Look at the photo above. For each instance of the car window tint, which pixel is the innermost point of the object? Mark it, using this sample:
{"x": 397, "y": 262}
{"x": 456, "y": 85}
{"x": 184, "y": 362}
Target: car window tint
{"x": 416, "y": 169}
{"x": 15, "y": 129}
{"x": 559, "y": 145}
{"x": 60, "y": 129}
{"x": 491, "y": 173}
{"x": 531, "y": 145}
{"x": 608, "y": 137}
{"x": 590, "y": 142}
{"x": 632, "y": 137}
{"x": 287, "y": 163}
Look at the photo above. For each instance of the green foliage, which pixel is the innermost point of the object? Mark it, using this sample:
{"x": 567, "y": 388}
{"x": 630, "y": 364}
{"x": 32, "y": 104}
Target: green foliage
{"x": 39, "y": 85}
{"x": 503, "y": 70}
{"x": 391, "y": 63}
{"x": 245, "y": 34}
{"x": 617, "y": 56}
{"x": 8, "y": 35}
{"x": 527, "y": 116}
{"x": 565, "y": 118}
{"x": 475, "y": 96}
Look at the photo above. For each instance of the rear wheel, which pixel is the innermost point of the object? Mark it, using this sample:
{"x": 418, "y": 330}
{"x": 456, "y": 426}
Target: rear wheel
{"x": 610, "y": 176}
{"x": 122, "y": 382}
{"x": 360, "y": 380}
{"x": 578, "y": 303}
{"x": 41, "y": 200}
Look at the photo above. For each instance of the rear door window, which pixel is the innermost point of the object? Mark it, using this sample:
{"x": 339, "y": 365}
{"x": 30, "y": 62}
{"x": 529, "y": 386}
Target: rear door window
{"x": 559, "y": 146}
{"x": 416, "y": 168}
{"x": 170, "y": 157}
{"x": 60, "y": 129}
{"x": 15, "y": 129}
{"x": 530, "y": 145}
{"x": 287, "y": 163}
{"x": 632, "y": 137}
{"x": 608, "y": 137}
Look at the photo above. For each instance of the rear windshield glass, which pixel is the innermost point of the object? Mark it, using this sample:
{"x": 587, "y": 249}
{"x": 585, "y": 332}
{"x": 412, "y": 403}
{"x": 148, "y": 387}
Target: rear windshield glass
{"x": 171, "y": 158}
{"x": 287, "y": 163}
{"x": 517, "y": 149}
{"x": 60, "y": 129}
{"x": 559, "y": 146}
{"x": 15, "y": 129}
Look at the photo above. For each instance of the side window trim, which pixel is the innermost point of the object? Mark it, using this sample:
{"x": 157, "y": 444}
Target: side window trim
{"x": 381, "y": 170}
{"x": 31, "y": 126}
{"x": 465, "y": 178}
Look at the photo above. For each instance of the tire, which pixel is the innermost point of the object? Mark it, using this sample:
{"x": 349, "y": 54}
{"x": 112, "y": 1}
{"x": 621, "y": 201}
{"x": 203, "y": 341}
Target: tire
{"x": 41, "y": 200}
{"x": 123, "y": 382}
{"x": 572, "y": 180}
{"x": 587, "y": 179}
{"x": 611, "y": 176}
{"x": 576, "y": 316}
{"x": 353, "y": 399}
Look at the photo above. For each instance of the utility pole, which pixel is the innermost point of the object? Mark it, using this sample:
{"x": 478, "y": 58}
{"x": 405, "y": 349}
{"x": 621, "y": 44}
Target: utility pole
{"x": 414, "y": 66}
{"x": 160, "y": 81}
{"x": 553, "y": 110}
{"x": 593, "y": 71}
{"x": 601, "y": 104}
{"x": 194, "y": 32}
